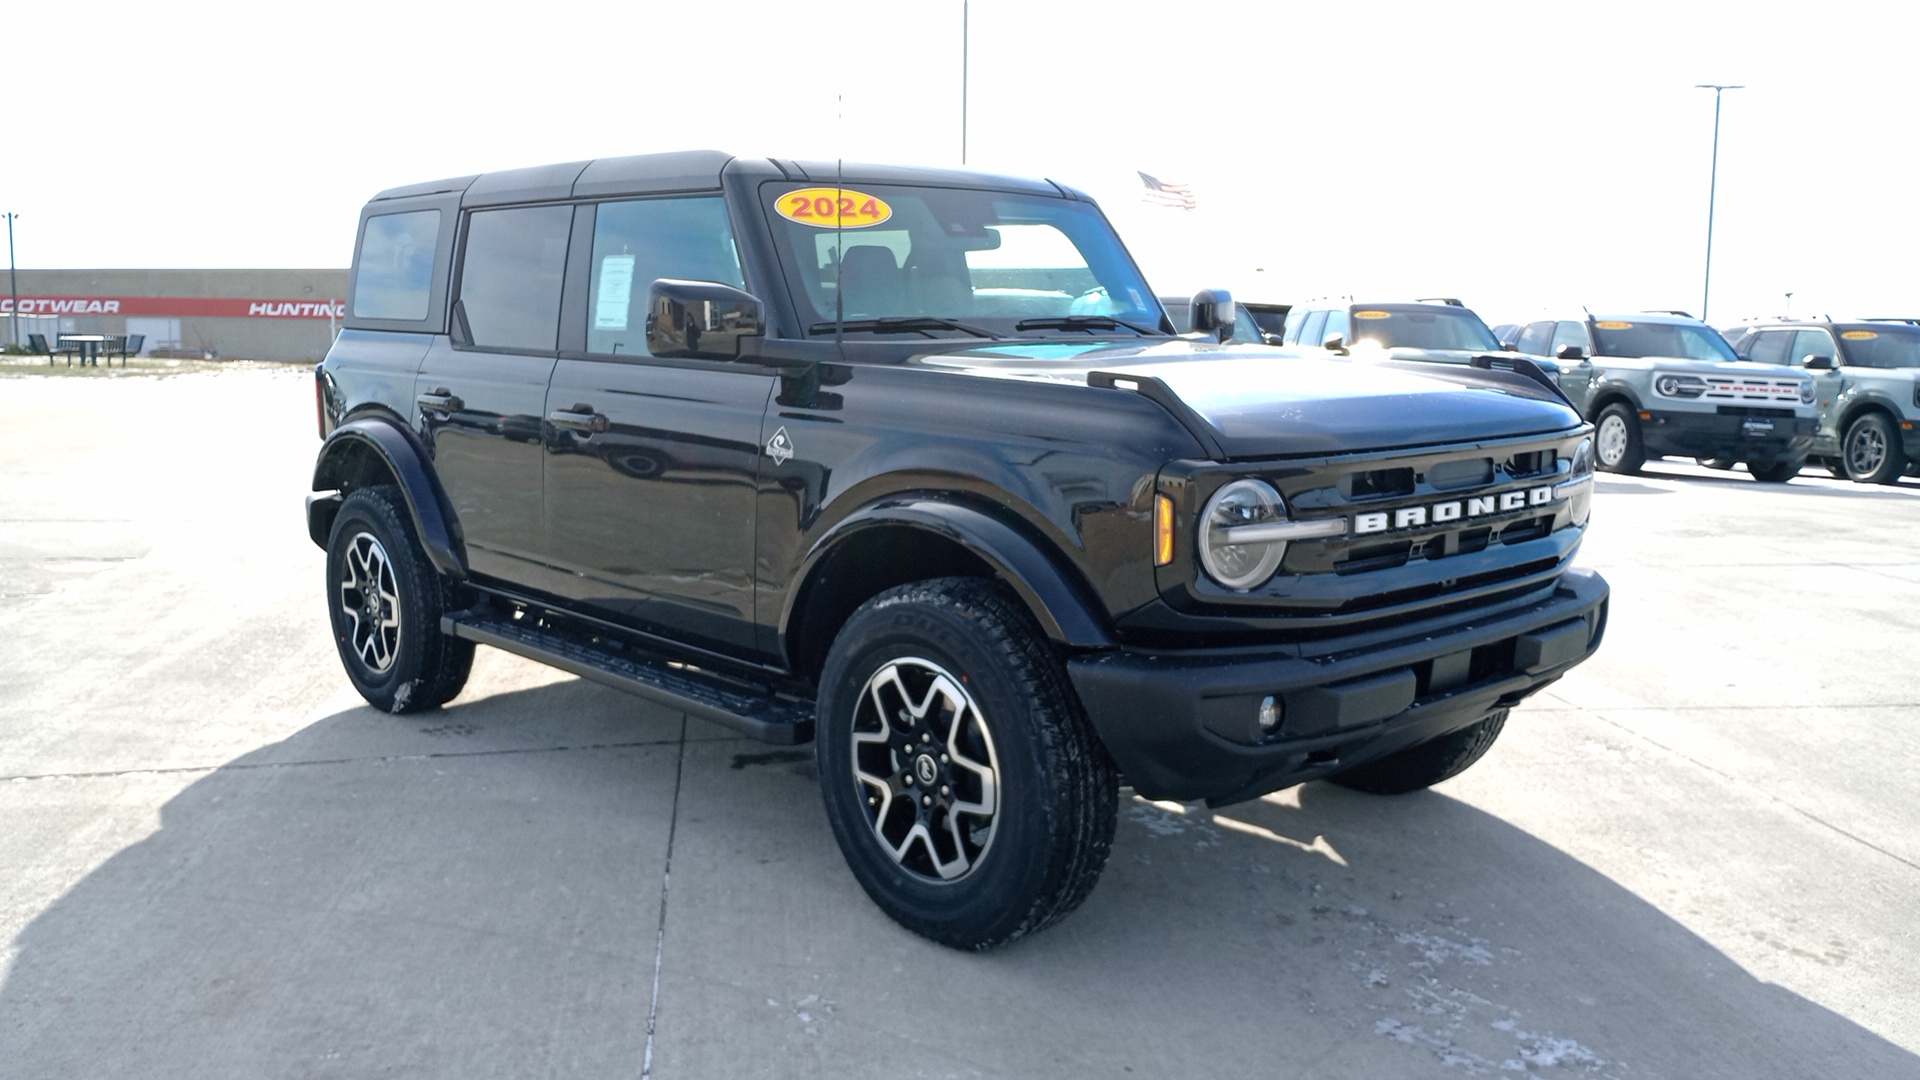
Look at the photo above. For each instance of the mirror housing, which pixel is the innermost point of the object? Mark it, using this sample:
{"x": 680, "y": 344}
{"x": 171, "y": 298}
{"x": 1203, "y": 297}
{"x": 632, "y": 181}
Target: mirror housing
{"x": 1213, "y": 313}
{"x": 1335, "y": 342}
{"x": 1569, "y": 352}
{"x": 1817, "y": 362}
{"x": 703, "y": 320}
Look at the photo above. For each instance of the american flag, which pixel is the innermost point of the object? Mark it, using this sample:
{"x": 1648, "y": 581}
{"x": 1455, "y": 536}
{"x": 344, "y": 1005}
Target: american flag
{"x": 1162, "y": 193}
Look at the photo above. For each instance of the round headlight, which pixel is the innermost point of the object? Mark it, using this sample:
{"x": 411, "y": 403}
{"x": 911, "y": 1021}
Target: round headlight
{"x": 1667, "y": 385}
{"x": 1241, "y": 566}
{"x": 1582, "y": 459}
{"x": 1806, "y": 392}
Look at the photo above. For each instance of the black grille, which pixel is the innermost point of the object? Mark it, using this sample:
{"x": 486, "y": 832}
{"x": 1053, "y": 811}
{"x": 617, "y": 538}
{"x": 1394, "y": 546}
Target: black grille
{"x": 1749, "y": 410}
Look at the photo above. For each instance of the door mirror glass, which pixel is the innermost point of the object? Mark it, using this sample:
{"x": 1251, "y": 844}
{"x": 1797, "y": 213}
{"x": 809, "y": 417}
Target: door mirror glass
{"x": 701, "y": 319}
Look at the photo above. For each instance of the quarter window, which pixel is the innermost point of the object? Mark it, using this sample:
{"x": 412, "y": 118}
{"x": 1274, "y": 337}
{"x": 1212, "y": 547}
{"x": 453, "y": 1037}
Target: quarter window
{"x": 394, "y": 279}
{"x": 637, "y": 242}
{"x": 510, "y": 277}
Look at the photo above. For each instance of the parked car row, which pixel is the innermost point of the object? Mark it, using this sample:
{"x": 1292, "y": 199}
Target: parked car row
{"x": 1773, "y": 394}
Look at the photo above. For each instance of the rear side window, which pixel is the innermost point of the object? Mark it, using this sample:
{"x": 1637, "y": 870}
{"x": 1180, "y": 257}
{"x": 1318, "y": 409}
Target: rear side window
{"x": 510, "y": 277}
{"x": 635, "y": 243}
{"x": 395, "y": 277}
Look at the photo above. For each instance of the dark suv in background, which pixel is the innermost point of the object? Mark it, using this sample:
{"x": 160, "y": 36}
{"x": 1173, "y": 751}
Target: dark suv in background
{"x": 1867, "y": 375}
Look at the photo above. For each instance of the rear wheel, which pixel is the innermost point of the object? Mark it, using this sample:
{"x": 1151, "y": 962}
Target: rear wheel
{"x": 1775, "y": 472}
{"x": 1427, "y": 764}
{"x": 1720, "y": 463}
{"x": 385, "y": 600}
{"x": 1617, "y": 446}
{"x": 966, "y": 789}
{"x": 1871, "y": 452}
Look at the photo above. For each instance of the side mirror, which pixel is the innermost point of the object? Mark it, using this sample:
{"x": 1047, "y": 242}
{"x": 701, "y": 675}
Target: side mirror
{"x": 1817, "y": 362}
{"x": 1272, "y": 339}
{"x": 1509, "y": 346}
{"x": 1335, "y": 342}
{"x": 1213, "y": 313}
{"x": 700, "y": 319}
{"x": 1569, "y": 352}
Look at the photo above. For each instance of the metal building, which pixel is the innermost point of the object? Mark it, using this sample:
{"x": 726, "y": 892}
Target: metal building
{"x": 229, "y": 314}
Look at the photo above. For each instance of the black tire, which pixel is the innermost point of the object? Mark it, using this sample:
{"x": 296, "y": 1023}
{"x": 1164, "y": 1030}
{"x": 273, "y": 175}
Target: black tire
{"x": 1023, "y": 857}
{"x": 1834, "y": 468}
{"x": 1871, "y": 451}
{"x": 1775, "y": 472}
{"x": 1419, "y": 767}
{"x": 396, "y": 655}
{"x": 1617, "y": 437}
{"x": 1720, "y": 463}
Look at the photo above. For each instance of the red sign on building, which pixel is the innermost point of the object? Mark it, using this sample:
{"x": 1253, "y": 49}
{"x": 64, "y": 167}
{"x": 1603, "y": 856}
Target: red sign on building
{"x": 205, "y": 307}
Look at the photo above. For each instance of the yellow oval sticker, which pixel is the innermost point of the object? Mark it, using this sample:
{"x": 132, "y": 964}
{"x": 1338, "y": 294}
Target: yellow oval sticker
{"x": 1373, "y": 314}
{"x": 1859, "y": 335}
{"x": 834, "y": 208}
{"x": 1614, "y": 325}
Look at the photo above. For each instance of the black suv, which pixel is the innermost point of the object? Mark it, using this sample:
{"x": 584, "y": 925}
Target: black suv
{"x": 911, "y": 463}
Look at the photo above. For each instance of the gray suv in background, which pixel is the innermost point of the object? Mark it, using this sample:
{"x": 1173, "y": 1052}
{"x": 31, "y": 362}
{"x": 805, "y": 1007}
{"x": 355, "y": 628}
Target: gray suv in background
{"x": 1867, "y": 375}
{"x": 1663, "y": 383}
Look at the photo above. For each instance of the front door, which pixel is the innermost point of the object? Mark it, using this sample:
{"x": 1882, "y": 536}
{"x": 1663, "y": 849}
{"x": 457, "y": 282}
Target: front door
{"x": 651, "y": 463}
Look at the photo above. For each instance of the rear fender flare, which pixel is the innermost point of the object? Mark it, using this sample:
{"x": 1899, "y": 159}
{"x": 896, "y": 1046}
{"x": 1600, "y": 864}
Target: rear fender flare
{"x": 341, "y": 466}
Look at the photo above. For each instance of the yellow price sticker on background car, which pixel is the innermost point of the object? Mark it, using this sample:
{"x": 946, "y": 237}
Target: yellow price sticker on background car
{"x": 833, "y": 208}
{"x": 1373, "y": 314}
{"x": 1859, "y": 335}
{"x": 1614, "y": 325}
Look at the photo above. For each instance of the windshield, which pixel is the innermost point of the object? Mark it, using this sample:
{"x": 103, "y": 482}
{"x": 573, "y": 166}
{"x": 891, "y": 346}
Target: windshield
{"x": 1882, "y": 346}
{"x": 1393, "y": 326}
{"x": 985, "y": 259}
{"x": 1615, "y": 337}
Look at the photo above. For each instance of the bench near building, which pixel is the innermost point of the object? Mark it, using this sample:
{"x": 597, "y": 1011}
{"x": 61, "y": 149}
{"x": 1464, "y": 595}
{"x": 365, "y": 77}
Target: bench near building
{"x": 230, "y": 314}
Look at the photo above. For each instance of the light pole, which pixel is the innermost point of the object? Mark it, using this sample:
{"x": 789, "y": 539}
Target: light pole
{"x": 13, "y": 284}
{"x": 1713, "y": 182}
{"x": 963, "y": 79}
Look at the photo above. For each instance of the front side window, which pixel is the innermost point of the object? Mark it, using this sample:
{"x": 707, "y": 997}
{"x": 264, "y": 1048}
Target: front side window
{"x": 638, "y": 242}
{"x": 989, "y": 260}
{"x": 1811, "y": 343}
{"x": 1407, "y": 327}
{"x": 1336, "y": 324}
{"x": 394, "y": 277}
{"x": 1631, "y": 338}
{"x": 510, "y": 277}
{"x": 1882, "y": 346}
{"x": 1310, "y": 330}
{"x": 1568, "y": 332}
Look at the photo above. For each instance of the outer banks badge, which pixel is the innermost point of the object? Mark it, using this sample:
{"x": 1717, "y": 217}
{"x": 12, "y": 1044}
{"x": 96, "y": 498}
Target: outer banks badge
{"x": 780, "y": 448}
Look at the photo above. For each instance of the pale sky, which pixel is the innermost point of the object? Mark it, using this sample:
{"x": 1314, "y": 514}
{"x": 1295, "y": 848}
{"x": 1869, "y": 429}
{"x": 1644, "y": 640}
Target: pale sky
{"x": 1514, "y": 155}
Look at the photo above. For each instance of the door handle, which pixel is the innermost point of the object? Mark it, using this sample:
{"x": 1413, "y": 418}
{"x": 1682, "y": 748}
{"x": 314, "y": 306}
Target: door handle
{"x": 439, "y": 401}
{"x": 578, "y": 418}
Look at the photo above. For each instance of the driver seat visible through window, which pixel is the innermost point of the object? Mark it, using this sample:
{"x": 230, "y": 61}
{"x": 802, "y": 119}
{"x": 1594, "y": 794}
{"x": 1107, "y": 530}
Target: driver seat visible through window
{"x": 870, "y": 282}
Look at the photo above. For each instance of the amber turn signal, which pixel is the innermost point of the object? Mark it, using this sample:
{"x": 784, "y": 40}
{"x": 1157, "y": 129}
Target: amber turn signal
{"x": 1162, "y": 530}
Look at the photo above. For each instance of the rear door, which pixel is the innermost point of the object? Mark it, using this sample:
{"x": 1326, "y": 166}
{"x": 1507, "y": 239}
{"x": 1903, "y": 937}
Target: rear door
{"x": 478, "y": 396}
{"x": 650, "y": 463}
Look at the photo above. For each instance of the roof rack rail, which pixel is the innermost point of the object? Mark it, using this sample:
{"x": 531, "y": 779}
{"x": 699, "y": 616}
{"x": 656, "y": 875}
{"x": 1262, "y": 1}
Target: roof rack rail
{"x": 1668, "y": 311}
{"x": 1892, "y": 319}
{"x": 1450, "y": 301}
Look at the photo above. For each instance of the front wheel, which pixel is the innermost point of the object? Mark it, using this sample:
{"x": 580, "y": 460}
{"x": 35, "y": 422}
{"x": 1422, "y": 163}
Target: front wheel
{"x": 1871, "y": 452}
{"x": 966, "y": 789}
{"x": 385, "y": 600}
{"x": 1617, "y": 447}
{"x": 1775, "y": 472}
{"x": 1721, "y": 464}
{"x": 1424, "y": 765}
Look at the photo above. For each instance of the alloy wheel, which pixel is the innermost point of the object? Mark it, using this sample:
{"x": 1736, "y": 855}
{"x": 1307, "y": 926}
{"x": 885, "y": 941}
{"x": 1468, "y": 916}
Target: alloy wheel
{"x": 1866, "y": 450}
{"x": 371, "y": 599}
{"x": 924, "y": 760}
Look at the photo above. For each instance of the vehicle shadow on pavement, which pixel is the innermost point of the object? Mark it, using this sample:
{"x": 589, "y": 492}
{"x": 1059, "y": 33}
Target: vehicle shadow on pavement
{"x": 363, "y": 899}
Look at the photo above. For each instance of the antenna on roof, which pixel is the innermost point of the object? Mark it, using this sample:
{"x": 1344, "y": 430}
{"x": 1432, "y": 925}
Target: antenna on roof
{"x": 839, "y": 235}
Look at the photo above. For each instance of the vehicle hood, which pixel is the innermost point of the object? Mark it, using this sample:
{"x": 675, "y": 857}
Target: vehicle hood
{"x": 1735, "y": 368}
{"x": 1245, "y": 401}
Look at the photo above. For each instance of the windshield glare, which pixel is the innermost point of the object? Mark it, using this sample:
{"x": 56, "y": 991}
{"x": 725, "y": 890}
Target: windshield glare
{"x": 986, "y": 259}
{"x": 1615, "y": 337}
{"x": 1420, "y": 328}
{"x": 1882, "y": 346}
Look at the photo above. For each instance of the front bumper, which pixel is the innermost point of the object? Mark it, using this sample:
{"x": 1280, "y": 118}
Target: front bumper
{"x": 1182, "y": 725}
{"x": 1742, "y": 438}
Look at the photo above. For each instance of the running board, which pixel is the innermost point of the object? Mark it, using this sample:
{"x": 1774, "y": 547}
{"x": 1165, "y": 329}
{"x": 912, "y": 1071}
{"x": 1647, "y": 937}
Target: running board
{"x": 763, "y": 716}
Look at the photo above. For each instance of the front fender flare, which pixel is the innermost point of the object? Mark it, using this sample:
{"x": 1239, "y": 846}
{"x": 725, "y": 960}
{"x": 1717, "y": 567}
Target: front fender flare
{"x": 406, "y": 460}
{"x": 1062, "y": 606}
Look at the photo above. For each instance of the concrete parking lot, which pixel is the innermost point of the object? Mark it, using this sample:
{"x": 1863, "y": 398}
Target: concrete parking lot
{"x": 1695, "y": 857}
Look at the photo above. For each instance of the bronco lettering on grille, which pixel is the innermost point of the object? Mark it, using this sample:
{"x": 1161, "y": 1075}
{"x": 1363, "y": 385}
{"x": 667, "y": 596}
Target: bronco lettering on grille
{"x": 1414, "y": 517}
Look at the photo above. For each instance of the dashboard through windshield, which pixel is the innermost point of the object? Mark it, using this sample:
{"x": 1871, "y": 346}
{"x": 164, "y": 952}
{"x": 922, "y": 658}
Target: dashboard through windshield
{"x": 880, "y": 259}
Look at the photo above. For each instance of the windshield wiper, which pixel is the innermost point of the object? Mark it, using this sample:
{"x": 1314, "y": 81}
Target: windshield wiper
{"x": 1082, "y": 322}
{"x": 899, "y": 324}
